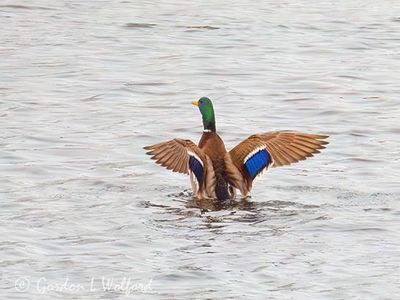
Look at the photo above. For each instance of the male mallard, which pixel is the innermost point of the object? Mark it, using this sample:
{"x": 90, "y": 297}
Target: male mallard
{"x": 216, "y": 173}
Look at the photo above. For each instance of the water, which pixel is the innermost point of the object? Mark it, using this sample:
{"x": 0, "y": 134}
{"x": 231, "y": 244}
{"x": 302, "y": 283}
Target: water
{"x": 85, "y": 84}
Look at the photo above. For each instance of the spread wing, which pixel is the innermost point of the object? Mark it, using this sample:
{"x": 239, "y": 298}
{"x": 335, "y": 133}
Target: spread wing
{"x": 181, "y": 156}
{"x": 278, "y": 148}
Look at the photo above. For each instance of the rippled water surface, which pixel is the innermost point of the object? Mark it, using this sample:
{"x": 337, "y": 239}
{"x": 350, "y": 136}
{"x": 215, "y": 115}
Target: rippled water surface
{"x": 85, "y": 214}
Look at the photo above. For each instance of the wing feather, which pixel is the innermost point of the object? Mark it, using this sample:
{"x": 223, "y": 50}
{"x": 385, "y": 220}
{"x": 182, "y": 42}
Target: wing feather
{"x": 166, "y": 160}
{"x": 292, "y": 143}
{"x": 174, "y": 154}
{"x": 274, "y": 148}
{"x": 285, "y": 148}
{"x": 181, "y": 166}
{"x": 301, "y": 155}
{"x": 293, "y": 154}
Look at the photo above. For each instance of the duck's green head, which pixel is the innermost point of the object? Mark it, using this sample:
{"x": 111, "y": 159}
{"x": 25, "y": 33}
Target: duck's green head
{"x": 207, "y": 112}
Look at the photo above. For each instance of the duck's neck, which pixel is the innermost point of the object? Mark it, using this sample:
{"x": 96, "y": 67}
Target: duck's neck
{"x": 209, "y": 120}
{"x": 209, "y": 126}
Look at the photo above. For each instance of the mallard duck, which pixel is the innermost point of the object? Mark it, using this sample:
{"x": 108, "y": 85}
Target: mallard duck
{"x": 217, "y": 173}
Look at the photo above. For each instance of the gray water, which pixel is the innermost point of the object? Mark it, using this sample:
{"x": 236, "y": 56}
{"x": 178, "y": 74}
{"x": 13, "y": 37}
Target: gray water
{"x": 85, "y": 214}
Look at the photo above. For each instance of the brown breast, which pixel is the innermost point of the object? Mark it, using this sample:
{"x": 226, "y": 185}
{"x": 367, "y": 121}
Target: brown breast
{"x": 213, "y": 146}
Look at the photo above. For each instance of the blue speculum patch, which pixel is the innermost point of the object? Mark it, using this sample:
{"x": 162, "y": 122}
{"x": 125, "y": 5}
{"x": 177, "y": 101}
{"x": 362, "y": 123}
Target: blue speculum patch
{"x": 257, "y": 162}
{"x": 196, "y": 167}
